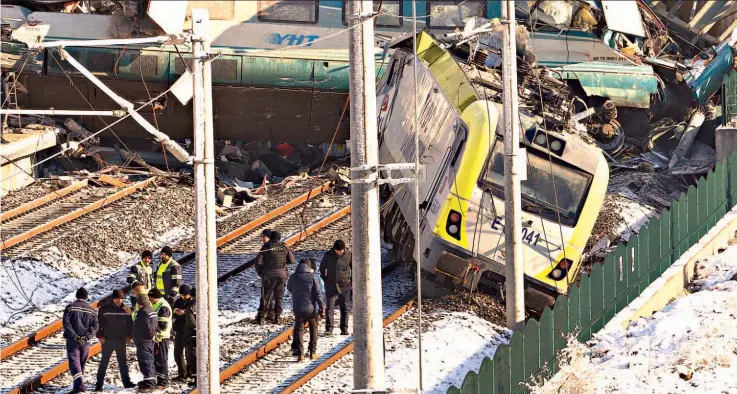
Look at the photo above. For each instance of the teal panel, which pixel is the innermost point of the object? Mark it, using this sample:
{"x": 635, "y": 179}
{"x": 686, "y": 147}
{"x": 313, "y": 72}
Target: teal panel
{"x": 560, "y": 323}
{"x": 503, "y": 377}
{"x": 547, "y": 337}
{"x": 56, "y": 66}
{"x": 331, "y": 75}
{"x": 486, "y": 377}
{"x": 470, "y": 383}
{"x": 574, "y": 313}
{"x": 638, "y": 273}
{"x": 585, "y": 308}
{"x": 597, "y": 297}
{"x": 517, "y": 360}
{"x": 693, "y": 218}
{"x": 532, "y": 348}
{"x": 611, "y": 280}
{"x": 286, "y": 73}
{"x": 152, "y": 65}
{"x": 630, "y": 86}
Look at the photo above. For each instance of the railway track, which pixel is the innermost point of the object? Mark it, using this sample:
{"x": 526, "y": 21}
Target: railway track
{"x": 43, "y": 351}
{"x": 270, "y": 367}
{"x": 59, "y": 207}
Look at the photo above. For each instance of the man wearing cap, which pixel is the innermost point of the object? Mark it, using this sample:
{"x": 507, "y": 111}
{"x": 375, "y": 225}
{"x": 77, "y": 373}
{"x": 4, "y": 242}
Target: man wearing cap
{"x": 116, "y": 327}
{"x": 161, "y": 340}
{"x": 271, "y": 265}
{"x": 80, "y": 325}
{"x": 145, "y": 324}
{"x": 336, "y": 270}
{"x": 142, "y": 273}
{"x": 168, "y": 275}
{"x": 180, "y": 305}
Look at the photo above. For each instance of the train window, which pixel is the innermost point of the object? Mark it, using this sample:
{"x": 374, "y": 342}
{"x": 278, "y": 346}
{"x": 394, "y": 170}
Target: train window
{"x": 545, "y": 193}
{"x": 304, "y": 11}
{"x": 391, "y": 13}
{"x": 450, "y": 14}
{"x": 218, "y": 10}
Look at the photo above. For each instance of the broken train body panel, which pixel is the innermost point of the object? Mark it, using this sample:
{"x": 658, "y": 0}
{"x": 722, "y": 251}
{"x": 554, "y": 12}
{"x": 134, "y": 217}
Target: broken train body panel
{"x": 462, "y": 195}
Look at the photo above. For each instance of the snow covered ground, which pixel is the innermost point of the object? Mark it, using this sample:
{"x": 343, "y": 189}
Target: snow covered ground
{"x": 688, "y": 347}
{"x": 453, "y": 343}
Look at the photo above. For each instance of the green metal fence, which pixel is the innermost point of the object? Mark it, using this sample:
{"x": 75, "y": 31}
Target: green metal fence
{"x": 610, "y": 286}
{"x": 729, "y": 97}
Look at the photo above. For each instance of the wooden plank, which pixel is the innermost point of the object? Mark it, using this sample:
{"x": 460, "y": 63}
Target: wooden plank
{"x": 42, "y": 200}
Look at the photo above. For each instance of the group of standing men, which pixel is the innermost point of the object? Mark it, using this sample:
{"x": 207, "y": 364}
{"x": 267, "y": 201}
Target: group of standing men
{"x": 150, "y": 325}
{"x": 333, "y": 284}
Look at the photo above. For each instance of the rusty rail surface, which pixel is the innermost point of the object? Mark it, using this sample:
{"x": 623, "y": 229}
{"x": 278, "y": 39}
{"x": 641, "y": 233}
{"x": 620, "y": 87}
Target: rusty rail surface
{"x": 342, "y": 352}
{"x": 43, "y": 200}
{"x": 75, "y": 214}
{"x": 34, "y": 383}
{"x": 287, "y": 333}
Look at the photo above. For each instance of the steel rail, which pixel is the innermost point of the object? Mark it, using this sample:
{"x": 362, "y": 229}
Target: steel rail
{"x": 42, "y": 200}
{"x": 75, "y": 214}
{"x": 46, "y": 376}
{"x": 287, "y": 333}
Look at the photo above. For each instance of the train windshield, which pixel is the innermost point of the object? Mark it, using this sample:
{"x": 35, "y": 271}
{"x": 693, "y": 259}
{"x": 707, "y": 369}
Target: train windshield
{"x": 551, "y": 188}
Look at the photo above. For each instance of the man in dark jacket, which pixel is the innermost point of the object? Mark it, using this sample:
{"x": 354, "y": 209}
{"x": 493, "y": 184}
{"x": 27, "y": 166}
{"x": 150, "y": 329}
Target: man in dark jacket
{"x": 271, "y": 265}
{"x": 190, "y": 333}
{"x": 116, "y": 327}
{"x": 80, "y": 325}
{"x": 305, "y": 292}
{"x": 335, "y": 270}
{"x": 179, "y": 307}
{"x": 145, "y": 325}
{"x": 142, "y": 273}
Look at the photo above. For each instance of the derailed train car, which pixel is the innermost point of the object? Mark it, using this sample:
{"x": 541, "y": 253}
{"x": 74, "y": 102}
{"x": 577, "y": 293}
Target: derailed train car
{"x": 461, "y": 203}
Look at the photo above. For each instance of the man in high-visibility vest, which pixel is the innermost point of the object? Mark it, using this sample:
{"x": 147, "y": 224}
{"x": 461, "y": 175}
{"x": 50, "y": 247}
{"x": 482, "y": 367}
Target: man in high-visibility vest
{"x": 161, "y": 340}
{"x": 168, "y": 275}
{"x": 142, "y": 273}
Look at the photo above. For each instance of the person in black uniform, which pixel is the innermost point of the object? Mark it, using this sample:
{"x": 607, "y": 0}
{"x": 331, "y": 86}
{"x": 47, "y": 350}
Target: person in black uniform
{"x": 116, "y": 328}
{"x": 306, "y": 294}
{"x": 271, "y": 265}
{"x": 144, "y": 330}
{"x": 190, "y": 334}
{"x": 180, "y": 305}
{"x": 336, "y": 270}
{"x": 80, "y": 325}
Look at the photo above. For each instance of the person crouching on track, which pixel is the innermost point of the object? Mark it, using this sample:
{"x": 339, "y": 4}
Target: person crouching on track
{"x": 335, "y": 269}
{"x": 161, "y": 340}
{"x": 116, "y": 328}
{"x": 271, "y": 265}
{"x": 305, "y": 291}
{"x": 180, "y": 305}
{"x": 190, "y": 333}
{"x": 142, "y": 273}
{"x": 80, "y": 325}
{"x": 145, "y": 325}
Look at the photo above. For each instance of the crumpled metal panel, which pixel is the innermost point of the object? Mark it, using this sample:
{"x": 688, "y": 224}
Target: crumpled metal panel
{"x": 625, "y": 85}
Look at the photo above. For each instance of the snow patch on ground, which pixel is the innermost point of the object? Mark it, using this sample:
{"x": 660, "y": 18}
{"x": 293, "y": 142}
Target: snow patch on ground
{"x": 455, "y": 343}
{"x": 689, "y": 346}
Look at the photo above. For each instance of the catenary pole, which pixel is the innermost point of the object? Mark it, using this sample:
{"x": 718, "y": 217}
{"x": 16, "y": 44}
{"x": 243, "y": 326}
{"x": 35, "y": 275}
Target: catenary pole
{"x": 512, "y": 172}
{"x": 208, "y": 354}
{"x": 368, "y": 360}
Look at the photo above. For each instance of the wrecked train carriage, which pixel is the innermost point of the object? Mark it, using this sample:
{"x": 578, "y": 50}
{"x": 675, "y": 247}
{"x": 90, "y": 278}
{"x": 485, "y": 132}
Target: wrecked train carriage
{"x": 462, "y": 197}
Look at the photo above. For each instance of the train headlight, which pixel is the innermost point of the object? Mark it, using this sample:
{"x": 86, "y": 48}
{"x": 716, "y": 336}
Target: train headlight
{"x": 555, "y": 145}
{"x": 561, "y": 270}
{"x": 541, "y": 139}
{"x": 453, "y": 226}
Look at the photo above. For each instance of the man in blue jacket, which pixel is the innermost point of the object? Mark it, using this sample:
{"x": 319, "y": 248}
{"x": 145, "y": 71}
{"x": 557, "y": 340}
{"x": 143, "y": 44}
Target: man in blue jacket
{"x": 305, "y": 292}
{"x": 145, "y": 325}
{"x": 80, "y": 325}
